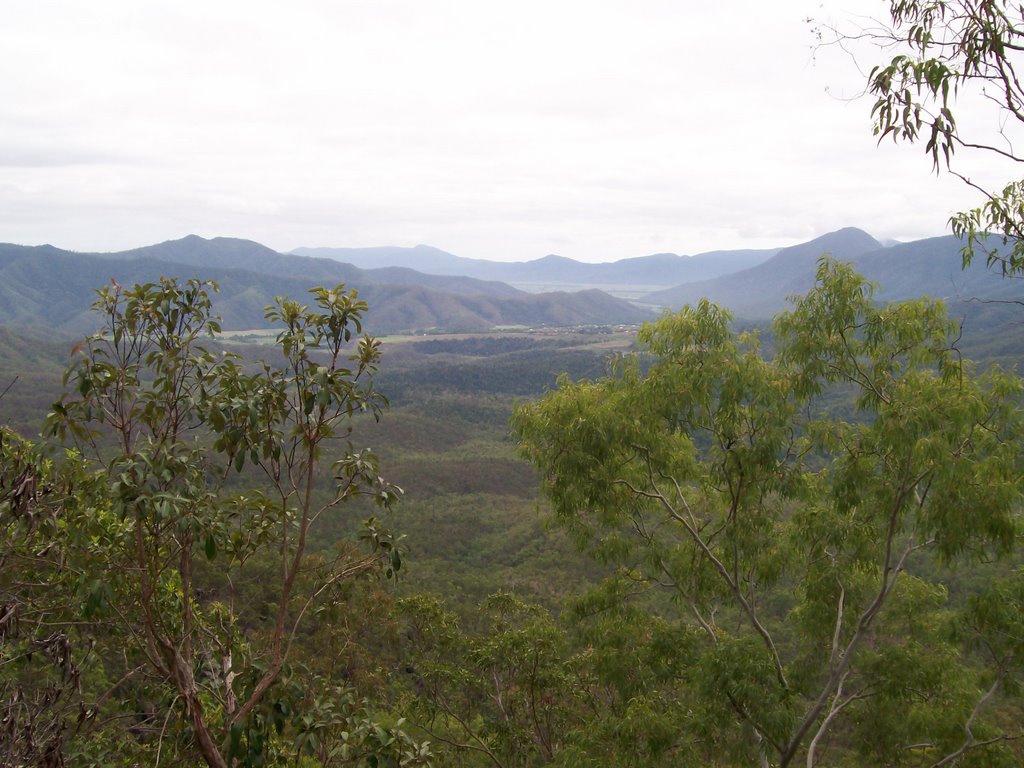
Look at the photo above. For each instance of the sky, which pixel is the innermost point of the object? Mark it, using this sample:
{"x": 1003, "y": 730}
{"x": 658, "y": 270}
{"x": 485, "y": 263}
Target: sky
{"x": 596, "y": 130}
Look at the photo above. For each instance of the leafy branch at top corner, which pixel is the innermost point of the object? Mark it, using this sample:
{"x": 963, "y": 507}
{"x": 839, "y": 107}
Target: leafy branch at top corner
{"x": 944, "y": 59}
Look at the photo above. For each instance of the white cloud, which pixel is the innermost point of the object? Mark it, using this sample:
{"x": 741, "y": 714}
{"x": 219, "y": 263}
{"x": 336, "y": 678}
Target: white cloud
{"x": 504, "y": 130}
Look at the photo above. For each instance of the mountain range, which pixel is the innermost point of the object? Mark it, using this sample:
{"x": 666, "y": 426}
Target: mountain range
{"x": 932, "y": 267}
{"x": 659, "y": 269}
{"x": 51, "y": 287}
{"x": 47, "y": 286}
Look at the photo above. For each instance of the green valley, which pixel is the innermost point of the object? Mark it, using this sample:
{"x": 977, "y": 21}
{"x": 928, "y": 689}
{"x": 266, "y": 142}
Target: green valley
{"x": 700, "y": 542}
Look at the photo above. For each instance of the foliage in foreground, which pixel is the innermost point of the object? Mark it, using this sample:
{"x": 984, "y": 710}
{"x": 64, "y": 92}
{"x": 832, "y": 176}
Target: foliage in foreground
{"x": 938, "y": 53}
{"x": 123, "y": 638}
{"x": 792, "y": 541}
{"x": 779, "y": 597}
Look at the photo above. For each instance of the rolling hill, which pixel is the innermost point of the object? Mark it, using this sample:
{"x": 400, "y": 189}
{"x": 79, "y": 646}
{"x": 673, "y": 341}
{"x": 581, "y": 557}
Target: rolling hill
{"x": 931, "y": 267}
{"x": 250, "y": 275}
{"x": 403, "y": 299}
{"x": 761, "y": 291}
{"x": 233, "y": 253}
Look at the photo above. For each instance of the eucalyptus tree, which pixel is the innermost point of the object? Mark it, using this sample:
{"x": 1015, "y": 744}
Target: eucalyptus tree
{"x": 938, "y": 56}
{"x": 793, "y": 539}
{"x": 139, "y": 552}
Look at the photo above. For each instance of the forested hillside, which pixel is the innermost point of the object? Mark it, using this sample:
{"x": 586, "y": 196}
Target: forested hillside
{"x": 737, "y": 557}
{"x": 733, "y": 535}
{"x": 931, "y": 267}
{"x": 251, "y": 275}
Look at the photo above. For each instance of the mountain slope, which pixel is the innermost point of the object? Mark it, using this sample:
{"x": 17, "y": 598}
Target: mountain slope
{"x": 934, "y": 267}
{"x": 762, "y": 290}
{"x": 29, "y": 294}
{"x": 232, "y": 253}
{"x": 930, "y": 267}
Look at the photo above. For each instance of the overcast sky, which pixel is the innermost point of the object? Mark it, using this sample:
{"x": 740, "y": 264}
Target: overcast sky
{"x": 505, "y": 130}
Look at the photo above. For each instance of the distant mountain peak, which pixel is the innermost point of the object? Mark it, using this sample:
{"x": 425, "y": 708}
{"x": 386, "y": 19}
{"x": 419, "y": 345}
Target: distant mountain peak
{"x": 198, "y": 240}
{"x": 554, "y": 258}
{"x": 845, "y": 243}
{"x": 844, "y": 235}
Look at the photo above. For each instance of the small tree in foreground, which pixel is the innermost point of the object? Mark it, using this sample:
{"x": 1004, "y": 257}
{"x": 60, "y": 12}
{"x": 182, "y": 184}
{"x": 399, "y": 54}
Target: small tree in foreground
{"x": 128, "y": 552}
{"x": 795, "y": 541}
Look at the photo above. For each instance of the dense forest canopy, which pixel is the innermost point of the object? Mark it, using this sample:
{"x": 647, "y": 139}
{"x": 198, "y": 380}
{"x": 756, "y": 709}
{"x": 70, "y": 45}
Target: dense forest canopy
{"x": 786, "y": 549}
{"x": 793, "y": 540}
